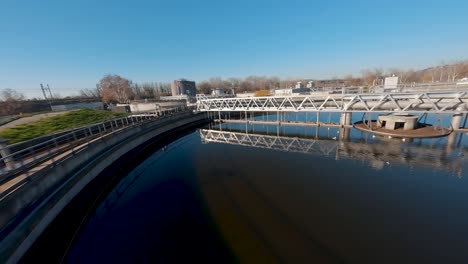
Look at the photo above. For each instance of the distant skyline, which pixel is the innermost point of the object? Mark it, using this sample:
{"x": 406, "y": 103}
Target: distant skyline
{"x": 70, "y": 45}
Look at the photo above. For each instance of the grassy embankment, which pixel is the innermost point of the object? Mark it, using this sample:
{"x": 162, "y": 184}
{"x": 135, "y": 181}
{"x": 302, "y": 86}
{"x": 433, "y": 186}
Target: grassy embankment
{"x": 58, "y": 123}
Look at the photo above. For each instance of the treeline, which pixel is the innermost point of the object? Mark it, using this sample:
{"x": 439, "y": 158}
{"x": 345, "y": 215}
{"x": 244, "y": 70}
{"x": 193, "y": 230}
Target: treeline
{"x": 251, "y": 83}
{"x": 368, "y": 77}
{"x": 441, "y": 73}
{"x": 10, "y": 101}
{"x": 13, "y": 102}
{"x": 116, "y": 89}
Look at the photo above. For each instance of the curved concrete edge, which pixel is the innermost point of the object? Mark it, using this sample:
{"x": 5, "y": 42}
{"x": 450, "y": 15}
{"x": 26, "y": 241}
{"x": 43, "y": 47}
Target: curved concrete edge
{"x": 84, "y": 168}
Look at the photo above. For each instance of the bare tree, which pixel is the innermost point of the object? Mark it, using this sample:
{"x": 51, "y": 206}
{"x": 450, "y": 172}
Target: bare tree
{"x": 454, "y": 70}
{"x": 205, "y": 87}
{"x": 115, "y": 89}
{"x": 441, "y": 71}
{"x": 91, "y": 93}
{"x": 404, "y": 76}
{"x": 12, "y": 100}
{"x": 136, "y": 91}
{"x": 371, "y": 77}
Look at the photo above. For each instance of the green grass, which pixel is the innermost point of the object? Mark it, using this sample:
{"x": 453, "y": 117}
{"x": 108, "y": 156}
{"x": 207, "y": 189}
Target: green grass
{"x": 54, "y": 124}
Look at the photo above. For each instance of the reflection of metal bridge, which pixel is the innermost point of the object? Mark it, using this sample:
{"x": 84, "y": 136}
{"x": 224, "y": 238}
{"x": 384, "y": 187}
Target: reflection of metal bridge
{"x": 325, "y": 147}
{"x": 375, "y": 154}
{"x": 427, "y": 102}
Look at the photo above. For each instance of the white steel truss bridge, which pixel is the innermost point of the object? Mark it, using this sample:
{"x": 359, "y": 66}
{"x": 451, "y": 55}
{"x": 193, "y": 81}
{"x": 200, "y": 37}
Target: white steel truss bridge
{"x": 425, "y": 102}
{"x": 375, "y": 154}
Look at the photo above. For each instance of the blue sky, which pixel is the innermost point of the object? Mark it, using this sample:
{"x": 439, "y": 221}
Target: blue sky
{"x": 71, "y": 44}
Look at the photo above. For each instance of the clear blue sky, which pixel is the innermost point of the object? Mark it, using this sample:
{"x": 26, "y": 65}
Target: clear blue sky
{"x": 71, "y": 44}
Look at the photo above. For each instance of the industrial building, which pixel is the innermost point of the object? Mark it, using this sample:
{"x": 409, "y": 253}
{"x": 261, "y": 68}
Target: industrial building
{"x": 183, "y": 87}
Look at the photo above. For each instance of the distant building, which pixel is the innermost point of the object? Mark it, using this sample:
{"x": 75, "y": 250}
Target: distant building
{"x": 282, "y": 92}
{"x": 302, "y": 90}
{"x": 391, "y": 82}
{"x": 390, "y": 85}
{"x": 245, "y": 94}
{"x": 221, "y": 92}
{"x": 463, "y": 81}
{"x": 183, "y": 87}
{"x": 295, "y": 91}
{"x": 217, "y": 92}
{"x": 299, "y": 85}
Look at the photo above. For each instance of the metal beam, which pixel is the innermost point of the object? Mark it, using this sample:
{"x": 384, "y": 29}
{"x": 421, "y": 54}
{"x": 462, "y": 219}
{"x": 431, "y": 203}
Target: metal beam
{"x": 427, "y": 102}
{"x": 376, "y": 153}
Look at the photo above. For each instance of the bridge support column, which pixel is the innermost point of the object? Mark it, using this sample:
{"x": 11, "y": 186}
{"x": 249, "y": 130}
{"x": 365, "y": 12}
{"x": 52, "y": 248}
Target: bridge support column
{"x": 5, "y": 151}
{"x": 458, "y": 117}
{"x": 451, "y": 142}
{"x": 344, "y": 133}
{"x": 345, "y": 119}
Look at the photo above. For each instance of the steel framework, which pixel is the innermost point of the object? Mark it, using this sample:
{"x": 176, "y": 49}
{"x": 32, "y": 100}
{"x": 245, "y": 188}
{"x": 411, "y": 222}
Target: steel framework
{"x": 287, "y": 144}
{"x": 427, "y": 102}
{"x": 376, "y": 154}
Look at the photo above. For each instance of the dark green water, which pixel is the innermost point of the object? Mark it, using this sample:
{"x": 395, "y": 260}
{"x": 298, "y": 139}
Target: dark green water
{"x": 286, "y": 195}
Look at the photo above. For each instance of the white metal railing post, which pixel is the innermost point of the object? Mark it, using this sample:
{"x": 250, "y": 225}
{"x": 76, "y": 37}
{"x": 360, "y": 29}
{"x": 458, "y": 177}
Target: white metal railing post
{"x": 32, "y": 154}
{"x": 7, "y": 158}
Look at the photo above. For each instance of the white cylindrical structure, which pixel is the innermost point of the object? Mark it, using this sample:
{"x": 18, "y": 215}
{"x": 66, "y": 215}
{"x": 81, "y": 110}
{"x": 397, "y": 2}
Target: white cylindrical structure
{"x": 345, "y": 119}
{"x": 458, "y": 117}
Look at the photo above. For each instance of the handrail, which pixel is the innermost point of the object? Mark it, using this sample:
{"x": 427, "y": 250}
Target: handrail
{"x": 19, "y": 161}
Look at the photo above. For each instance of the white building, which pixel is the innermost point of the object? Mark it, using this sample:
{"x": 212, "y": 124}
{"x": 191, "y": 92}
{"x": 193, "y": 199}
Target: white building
{"x": 463, "y": 81}
{"x": 391, "y": 82}
{"x": 282, "y": 92}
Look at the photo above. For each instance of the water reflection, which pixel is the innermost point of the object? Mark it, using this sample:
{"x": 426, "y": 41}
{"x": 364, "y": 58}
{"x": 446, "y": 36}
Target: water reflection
{"x": 353, "y": 198}
{"x": 375, "y": 152}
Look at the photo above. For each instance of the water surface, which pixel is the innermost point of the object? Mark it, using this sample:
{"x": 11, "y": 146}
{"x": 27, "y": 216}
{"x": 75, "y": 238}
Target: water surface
{"x": 289, "y": 194}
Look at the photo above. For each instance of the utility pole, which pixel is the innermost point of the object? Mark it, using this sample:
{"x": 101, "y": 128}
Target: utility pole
{"x": 43, "y": 92}
{"x": 44, "y": 89}
{"x": 50, "y": 93}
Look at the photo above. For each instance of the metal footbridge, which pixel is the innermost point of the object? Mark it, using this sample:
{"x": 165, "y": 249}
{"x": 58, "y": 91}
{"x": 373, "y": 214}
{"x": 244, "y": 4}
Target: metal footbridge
{"x": 416, "y": 102}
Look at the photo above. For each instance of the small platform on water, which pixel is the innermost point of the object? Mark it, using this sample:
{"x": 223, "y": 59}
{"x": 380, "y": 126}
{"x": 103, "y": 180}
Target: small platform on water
{"x": 422, "y": 131}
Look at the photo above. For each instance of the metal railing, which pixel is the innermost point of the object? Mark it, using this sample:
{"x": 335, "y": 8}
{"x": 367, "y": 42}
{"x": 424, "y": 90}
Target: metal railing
{"x": 20, "y": 161}
{"x": 425, "y": 102}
